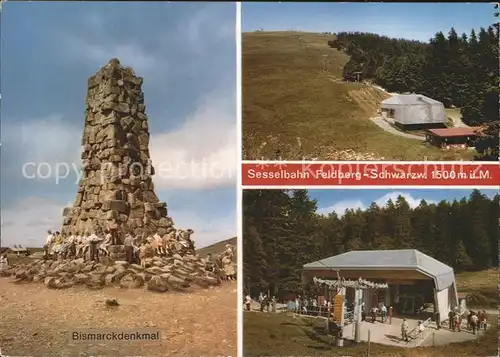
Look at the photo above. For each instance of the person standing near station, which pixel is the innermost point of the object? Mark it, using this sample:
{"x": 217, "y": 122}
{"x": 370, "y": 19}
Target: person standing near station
{"x": 404, "y": 330}
{"x": 383, "y": 312}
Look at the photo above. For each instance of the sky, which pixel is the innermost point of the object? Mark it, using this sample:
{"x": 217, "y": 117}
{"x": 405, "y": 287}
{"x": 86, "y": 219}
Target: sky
{"x": 414, "y": 21}
{"x": 186, "y": 53}
{"x": 339, "y": 201}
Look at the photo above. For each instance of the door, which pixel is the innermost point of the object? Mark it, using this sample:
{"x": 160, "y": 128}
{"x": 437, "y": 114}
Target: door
{"x": 463, "y": 306}
{"x": 407, "y": 305}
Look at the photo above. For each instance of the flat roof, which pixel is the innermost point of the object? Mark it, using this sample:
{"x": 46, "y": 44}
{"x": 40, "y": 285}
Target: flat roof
{"x": 409, "y": 99}
{"x": 403, "y": 259}
{"x": 456, "y": 132}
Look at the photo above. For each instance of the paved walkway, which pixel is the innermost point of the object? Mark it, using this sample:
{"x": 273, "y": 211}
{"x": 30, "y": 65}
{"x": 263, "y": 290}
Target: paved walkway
{"x": 387, "y": 127}
{"x": 385, "y": 333}
{"x": 457, "y": 122}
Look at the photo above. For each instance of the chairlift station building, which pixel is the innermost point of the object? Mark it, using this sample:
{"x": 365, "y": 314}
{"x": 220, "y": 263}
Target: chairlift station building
{"x": 413, "y": 279}
{"x": 414, "y": 110}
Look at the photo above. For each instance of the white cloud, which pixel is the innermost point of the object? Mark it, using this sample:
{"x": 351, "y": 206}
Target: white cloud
{"x": 413, "y": 202}
{"x": 130, "y": 54}
{"x": 203, "y": 152}
{"x": 341, "y": 206}
{"x": 26, "y": 221}
{"x": 44, "y": 142}
{"x": 201, "y": 27}
{"x": 200, "y": 31}
{"x": 95, "y": 46}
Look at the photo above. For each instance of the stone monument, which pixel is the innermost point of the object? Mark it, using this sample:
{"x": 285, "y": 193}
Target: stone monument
{"x": 116, "y": 191}
{"x": 116, "y": 182}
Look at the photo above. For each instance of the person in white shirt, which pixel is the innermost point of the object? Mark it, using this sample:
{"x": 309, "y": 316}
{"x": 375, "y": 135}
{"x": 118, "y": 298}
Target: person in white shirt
{"x": 158, "y": 244}
{"x": 421, "y": 329}
{"x": 48, "y": 242}
{"x": 50, "y": 237}
{"x": 374, "y": 312}
{"x": 473, "y": 322}
{"x": 3, "y": 262}
{"x": 383, "y": 310}
{"x": 71, "y": 241}
{"x": 93, "y": 251}
{"x": 404, "y": 330}
{"x": 248, "y": 300}
{"x": 229, "y": 251}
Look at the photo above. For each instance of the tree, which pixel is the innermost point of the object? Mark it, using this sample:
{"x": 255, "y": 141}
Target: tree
{"x": 460, "y": 71}
{"x": 255, "y": 262}
{"x": 282, "y": 232}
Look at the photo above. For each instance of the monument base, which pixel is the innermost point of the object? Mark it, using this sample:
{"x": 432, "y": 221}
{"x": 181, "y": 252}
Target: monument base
{"x": 116, "y": 252}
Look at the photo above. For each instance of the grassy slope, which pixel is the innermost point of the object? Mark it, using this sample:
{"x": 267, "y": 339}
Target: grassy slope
{"x": 286, "y": 94}
{"x": 218, "y": 247}
{"x": 281, "y": 335}
{"x": 481, "y": 286}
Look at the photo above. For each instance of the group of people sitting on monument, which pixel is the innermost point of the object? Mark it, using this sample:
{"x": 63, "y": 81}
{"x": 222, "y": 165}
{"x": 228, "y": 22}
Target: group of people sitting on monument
{"x": 222, "y": 262}
{"x": 91, "y": 246}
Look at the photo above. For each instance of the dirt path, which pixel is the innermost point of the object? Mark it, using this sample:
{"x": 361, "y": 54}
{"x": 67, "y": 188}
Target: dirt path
{"x": 457, "y": 121}
{"x": 34, "y": 321}
{"x": 387, "y": 127}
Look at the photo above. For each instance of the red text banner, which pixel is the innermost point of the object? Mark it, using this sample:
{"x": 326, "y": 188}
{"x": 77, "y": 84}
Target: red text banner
{"x": 370, "y": 174}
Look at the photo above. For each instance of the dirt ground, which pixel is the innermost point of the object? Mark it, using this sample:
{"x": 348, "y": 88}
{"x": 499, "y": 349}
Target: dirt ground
{"x": 34, "y": 321}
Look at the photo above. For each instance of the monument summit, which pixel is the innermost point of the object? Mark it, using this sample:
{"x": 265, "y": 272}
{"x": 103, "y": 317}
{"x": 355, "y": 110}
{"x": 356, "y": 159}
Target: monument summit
{"x": 116, "y": 185}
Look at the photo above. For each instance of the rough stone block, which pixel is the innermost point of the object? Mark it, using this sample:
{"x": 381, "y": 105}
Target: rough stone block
{"x": 115, "y": 205}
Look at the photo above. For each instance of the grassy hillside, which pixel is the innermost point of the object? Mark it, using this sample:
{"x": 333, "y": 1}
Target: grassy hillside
{"x": 295, "y": 105}
{"x": 482, "y": 287}
{"x": 288, "y": 336}
{"x": 218, "y": 247}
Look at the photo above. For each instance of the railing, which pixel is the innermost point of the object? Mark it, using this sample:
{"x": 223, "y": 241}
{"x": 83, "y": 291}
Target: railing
{"x": 413, "y": 334}
{"x": 317, "y": 311}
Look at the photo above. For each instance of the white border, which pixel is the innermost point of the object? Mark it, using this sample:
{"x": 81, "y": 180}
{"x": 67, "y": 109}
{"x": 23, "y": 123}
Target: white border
{"x": 239, "y": 191}
{"x": 369, "y": 187}
{"x": 371, "y": 162}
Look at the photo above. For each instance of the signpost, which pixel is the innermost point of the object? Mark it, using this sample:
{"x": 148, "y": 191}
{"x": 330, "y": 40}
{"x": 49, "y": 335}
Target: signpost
{"x": 338, "y": 308}
{"x": 339, "y": 301}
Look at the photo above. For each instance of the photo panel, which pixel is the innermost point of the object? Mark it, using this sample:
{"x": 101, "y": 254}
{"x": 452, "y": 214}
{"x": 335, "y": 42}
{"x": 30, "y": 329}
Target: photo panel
{"x": 340, "y": 272}
{"x": 118, "y": 179}
{"x": 370, "y": 81}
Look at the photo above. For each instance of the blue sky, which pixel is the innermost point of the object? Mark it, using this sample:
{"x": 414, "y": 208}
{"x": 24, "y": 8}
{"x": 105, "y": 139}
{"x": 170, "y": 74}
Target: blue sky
{"x": 419, "y": 21}
{"x": 340, "y": 200}
{"x": 186, "y": 54}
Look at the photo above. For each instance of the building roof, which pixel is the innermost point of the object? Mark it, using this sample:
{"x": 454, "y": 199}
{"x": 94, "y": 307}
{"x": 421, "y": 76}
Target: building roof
{"x": 409, "y": 99}
{"x": 405, "y": 259}
{"x": 456, "y": 132}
